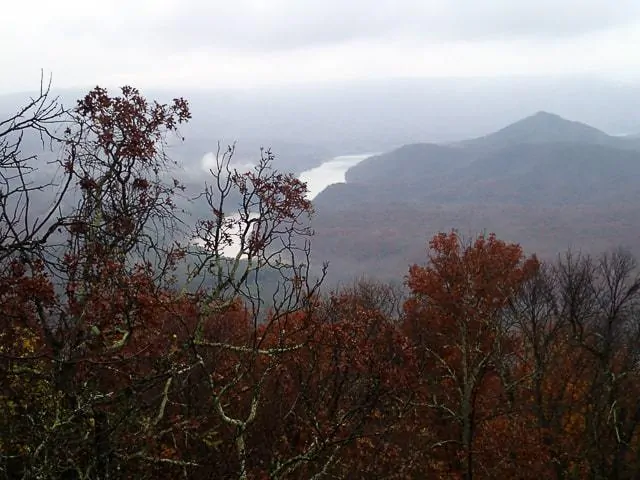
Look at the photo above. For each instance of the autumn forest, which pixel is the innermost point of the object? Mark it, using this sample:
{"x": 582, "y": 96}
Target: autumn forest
{"x": 130, "y": 350}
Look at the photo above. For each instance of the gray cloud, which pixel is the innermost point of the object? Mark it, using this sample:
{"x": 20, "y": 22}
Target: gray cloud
{"x": 251, "y": 25}
{"x": 246, "y": 43}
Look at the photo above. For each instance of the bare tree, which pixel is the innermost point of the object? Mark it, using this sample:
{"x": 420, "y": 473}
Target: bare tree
{"x": 579, "y": 323}
{"x": 262, "y": 216}
{"x": 609, "y": 330}
{"x": 29, "y": 204}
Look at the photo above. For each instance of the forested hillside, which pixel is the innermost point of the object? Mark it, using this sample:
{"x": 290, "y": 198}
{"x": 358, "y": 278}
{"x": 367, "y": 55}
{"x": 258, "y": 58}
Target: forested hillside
{"x": 129, "y": 351}
{"x": 544, "y": 181}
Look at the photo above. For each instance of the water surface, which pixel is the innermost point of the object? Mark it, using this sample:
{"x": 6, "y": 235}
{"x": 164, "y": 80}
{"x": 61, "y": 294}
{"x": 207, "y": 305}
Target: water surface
{"x": 330, "y": 172}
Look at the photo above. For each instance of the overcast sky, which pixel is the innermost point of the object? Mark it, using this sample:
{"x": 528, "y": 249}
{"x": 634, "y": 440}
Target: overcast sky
{"x": 252, "y": 43}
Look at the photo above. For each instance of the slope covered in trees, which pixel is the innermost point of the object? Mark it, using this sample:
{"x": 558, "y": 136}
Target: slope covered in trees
{"x": 543, "y": 154}
{"x": 127, "y": 353}
{"x": 545, "y": 181}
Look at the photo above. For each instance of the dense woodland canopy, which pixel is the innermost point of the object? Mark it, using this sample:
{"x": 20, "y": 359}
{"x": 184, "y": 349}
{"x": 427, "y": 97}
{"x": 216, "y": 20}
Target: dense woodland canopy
{"x": 128, "y": 352}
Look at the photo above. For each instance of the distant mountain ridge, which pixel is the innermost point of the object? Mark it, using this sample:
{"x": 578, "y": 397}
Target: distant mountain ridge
{"x": 415, "y": 160}
{"x": 544, "y": 144}
{"x": 543, "y": 127}
{"x": 542, "y": 163}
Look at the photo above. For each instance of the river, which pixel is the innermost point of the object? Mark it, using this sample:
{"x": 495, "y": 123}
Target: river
{"x": 330, "y": 172}
{"x": 317, "y": 179}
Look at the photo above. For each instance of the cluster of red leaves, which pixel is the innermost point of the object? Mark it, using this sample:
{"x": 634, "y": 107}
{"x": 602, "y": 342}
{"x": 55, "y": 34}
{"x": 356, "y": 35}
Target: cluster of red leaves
{"x": 20, "y": 284}
{"x": 128, "y": 123}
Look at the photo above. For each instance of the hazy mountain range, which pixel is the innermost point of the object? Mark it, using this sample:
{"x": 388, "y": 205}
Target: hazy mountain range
{"x": 542, "y": 159}
{"x": 306, "y": 125}
{"x": 541, "y": 180}
{"x": 544, "y": 181}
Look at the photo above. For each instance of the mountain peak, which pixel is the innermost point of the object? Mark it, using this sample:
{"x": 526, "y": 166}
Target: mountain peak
{"x": 543, "y": 114}
{"x": 542, "y": 127}
{"x": 552, "y": 118}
